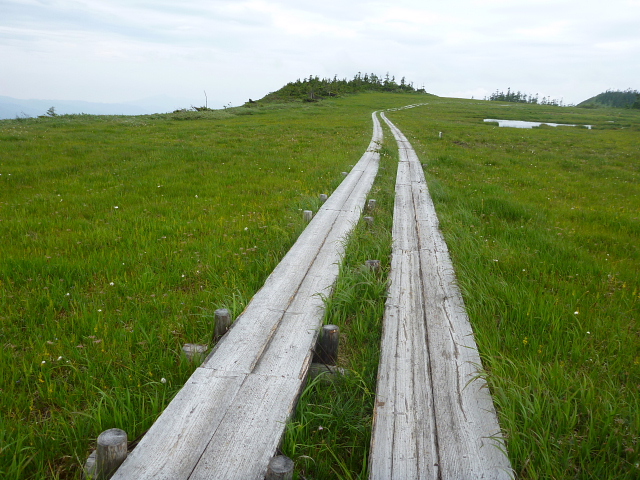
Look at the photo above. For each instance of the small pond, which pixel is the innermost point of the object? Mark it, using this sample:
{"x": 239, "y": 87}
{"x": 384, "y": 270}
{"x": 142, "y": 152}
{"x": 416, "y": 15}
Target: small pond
{"x": 523, "y": 124}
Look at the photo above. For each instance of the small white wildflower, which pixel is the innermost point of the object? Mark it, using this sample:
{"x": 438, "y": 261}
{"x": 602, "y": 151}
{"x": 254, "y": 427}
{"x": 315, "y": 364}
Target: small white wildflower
{"x": 59, "y": 358}
{"x": 246, "y": 228}
{"x": 196, "y": 196}
{"x": 588, "y": 333}
{"x": 576, "y": 312}
{"x": 112, "y": 284}
{"x": 99, "y": 309}
{"x": 43, "y": 362}
{"x": 68, "y": 294}
{"x": 163, "y": 380}
{"x": 320, "y": 428}
{"x": 115, "y": 207}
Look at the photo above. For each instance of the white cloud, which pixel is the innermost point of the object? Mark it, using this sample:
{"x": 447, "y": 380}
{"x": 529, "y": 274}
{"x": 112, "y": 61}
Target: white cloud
{"x": 121, "y": 50}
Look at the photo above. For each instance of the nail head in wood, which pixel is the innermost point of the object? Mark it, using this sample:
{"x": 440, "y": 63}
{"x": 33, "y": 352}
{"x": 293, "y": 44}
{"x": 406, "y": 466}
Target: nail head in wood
{"x": 308, "y": 215}
{"x": 323, "y": 197}
{"x": 369, "y": 221}
{"x": 373, "y": 265}
{"x": 280, "y": 468}
{"x": 327, "y": 345}
{"x": 111, "y": 452}
{"x": 194, "y": 352}
{"x": 223, "y": 322}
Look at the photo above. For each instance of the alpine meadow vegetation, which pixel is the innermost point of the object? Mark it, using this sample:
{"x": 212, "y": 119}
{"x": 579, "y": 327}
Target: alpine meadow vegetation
{"x": 122, "y": 235}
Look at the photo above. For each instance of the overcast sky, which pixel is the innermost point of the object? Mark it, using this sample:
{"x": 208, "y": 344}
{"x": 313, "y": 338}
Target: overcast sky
{"x": 123, "y": 50}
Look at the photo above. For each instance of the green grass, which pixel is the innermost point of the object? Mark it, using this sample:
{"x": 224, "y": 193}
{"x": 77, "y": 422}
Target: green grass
{"x": 541, "y": 224}
{"x": 120, "y": 238}
{"x": 544, "y": 230}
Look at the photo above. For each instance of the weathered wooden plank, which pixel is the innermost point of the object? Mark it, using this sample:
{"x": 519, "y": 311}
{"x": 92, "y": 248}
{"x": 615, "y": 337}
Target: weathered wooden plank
{"x": 185, "y": 428}
{"x": 247, "y": 340}
{"x": 245, "y": 441}
{"x": 444, "y": 358}
{"x": 404, "y": 437}
{"x": 228, "y": 419}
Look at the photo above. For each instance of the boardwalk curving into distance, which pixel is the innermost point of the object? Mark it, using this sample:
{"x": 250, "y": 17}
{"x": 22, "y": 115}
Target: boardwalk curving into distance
{"x": 434, "y": 417}
{"x": 228, "y": 419}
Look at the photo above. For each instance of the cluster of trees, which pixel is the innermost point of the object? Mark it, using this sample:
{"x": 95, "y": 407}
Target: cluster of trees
{"x": 614, "y": 99}
{"x": 519, "y": 97}
{"x": 618, "y": 98}
{"x": 315, "y": 88}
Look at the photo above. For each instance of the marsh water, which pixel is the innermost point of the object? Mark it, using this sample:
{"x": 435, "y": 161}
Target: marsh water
{"x": 523, "y": 124}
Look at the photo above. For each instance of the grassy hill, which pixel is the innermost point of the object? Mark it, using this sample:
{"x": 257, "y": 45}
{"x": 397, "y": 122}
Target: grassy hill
{"x": 313, "y": 88}
{"x": 615, "y": 99}
{"x": 122, "y": 235}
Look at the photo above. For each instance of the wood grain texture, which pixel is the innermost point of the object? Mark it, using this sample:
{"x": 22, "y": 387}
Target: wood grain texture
{"x": 434, "y": 417}
{"x": 228, "y": 419}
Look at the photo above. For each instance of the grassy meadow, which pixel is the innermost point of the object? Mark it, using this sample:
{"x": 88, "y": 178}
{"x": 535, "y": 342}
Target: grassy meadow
{"x": 120, "y": 236}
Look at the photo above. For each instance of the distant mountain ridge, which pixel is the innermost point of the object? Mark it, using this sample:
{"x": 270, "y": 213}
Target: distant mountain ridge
{"x": 614, "y": 98}
{"x": 14, "y": 107}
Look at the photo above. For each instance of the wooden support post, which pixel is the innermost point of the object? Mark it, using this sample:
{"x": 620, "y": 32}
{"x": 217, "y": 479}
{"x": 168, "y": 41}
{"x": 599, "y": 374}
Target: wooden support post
{"x": 371, "y": 205}
{"x": 223, "y": 322}
{"x": 344, "y": 174}
{"x": 308, "y": 215}
{"x": 373, "y": 265}
{"x": 327, "y": 346}
{"x": 194, "y": 352}
{"x": 328, "y": 372}
{"x": 111, "y": 452}
{"x": 369, "y": 221}
{"x": 280, "y": 468}
{"x": 89, "y": 472}
{"x": 323, "y": 197}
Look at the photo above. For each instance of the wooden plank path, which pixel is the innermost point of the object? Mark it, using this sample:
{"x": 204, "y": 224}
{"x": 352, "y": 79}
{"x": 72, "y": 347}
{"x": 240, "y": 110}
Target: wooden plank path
{"x": 228, "y": 419}
{"x": 434, "y": 417}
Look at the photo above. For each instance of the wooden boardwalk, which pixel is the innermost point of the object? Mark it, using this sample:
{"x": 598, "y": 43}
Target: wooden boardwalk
{"x": 434, "y": 417}
{"x": 228, "y": 419}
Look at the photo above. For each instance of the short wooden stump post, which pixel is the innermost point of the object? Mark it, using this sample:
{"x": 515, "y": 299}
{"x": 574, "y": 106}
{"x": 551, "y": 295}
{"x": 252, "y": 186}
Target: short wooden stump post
{"x": 111, "y": 452}
{"x": 194, "y": 352}
{"x": 369, "y": 221}
{"x": 326, "y": 351}
{"x": 223, "y": 322}
{"x": 323, "y": 197}
{"x": 344, "y": 174}
{"x": 373, "y": 265}
{"x": 371, "y": 204}
{"x": 308, "y": 215}
{"x": 280, "y": 468}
